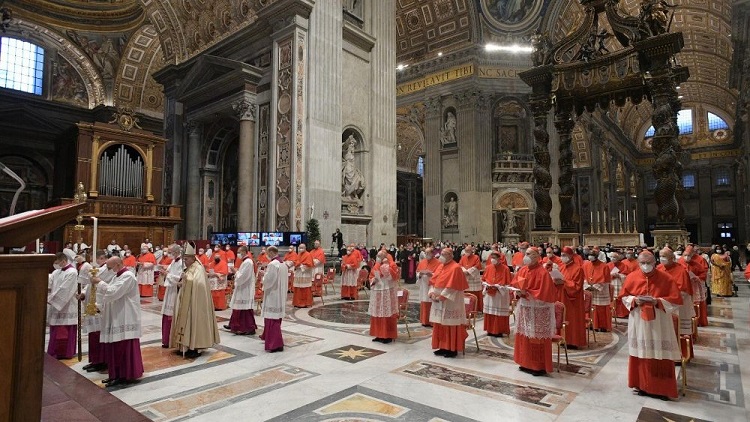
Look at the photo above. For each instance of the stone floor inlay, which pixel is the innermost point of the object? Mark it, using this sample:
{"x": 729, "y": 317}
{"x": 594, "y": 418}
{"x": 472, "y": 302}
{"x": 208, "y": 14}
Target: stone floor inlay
{"x": 210, "y": 397}
{"x": 652, "y": 415}
{"x": 355, "y": 312}
{"x": 352, "y": 353}
{"x": 715, "y": 381}
{"x": 530, "y": 395}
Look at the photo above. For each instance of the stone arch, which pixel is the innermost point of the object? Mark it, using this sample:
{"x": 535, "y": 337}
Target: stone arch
{"x": 51, "y": 40}
{"x": 133, "y": 82}
{"x": 518, "y": 198}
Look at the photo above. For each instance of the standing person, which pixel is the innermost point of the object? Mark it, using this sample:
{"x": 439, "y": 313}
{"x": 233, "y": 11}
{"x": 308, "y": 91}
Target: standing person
{"x": 318, "y": 258}
{"x": 171, "y": 282}
{"x": 230, "y": 255}
{"x": 448, "y": 313}
{"x": 303, "y": 266}
{"x": 698, "y": 272}
{"x": 734, "y": 256}
{"x": 651, "y": 295}
{"x": 598, "y": 279}
{"x": 121, "y": 330}
{"x": 194, "y": 324}
{"x": 145, "y": 264}
{"x": 203, "y": 258}
{"x": 350, "y": 265}
{"x": 535, "y": 310}
{"x": 62, "y": 309}
{"x": 383, "y": 307}
{"x": 747, "y": 255}
{"x": 571, "y": 296}
{"x": 517, "y": 260}
{"x": 162, "y": 264}
{"x": 242, "y": 321}
{"x": 618, "y": 269}
{"x": 425, "y": 270}
{"x": 263, "y": 258}
{"x": 338, "y": 239}
{"x": 218, "y": 270}
{"x": 275, "y": 281}
{"x": 472, "y": 267}
{"x": 92, "y": 324}
{"x": 497, "y": 299}
{"x": 129, "y": 261}
{"x": 681, "y": 277}
{"x": 721, "y": 275}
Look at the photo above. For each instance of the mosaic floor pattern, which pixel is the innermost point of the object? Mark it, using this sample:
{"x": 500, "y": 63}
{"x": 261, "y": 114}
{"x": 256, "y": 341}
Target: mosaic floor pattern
{"x": 653, "y": 415}
{"x": 361, "y": 404}
{"x": 527, "y": 394}
{"x": 715, "y": 381}
{"x": 352, "y": 353}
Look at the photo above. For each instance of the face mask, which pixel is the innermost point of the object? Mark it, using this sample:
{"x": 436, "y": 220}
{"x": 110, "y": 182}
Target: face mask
{"x": 526, "y": 260}
{"x": 348, "y": 252}
{"x": 565, "y": 259}
{"x": 550, "y": 255}
{"x": 379, "y": 260}
{"x": 592, "y": 258}
{"x": 493, "y": 261}
{"x": 523, "y": 251}
{"x": 437, "y": 256}
{"x": 57, "y": 266}
{"x": 647, "y": 268}
{"x": 443, "y": 259}
{"x": 718, "y": 251}
{"x": 663, "y": 261}
{"x": 240, "y": 256}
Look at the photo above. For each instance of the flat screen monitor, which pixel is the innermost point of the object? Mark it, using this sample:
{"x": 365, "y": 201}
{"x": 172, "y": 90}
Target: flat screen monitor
{"x": 295, "y": 238}
{"x": 224, "y": 239}
{"x": 248, "y": 239}
{"x": 272, "y": 238}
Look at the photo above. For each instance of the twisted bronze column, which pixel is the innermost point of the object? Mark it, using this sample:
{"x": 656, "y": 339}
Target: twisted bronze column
{"x": 564, "y": 125}
{"x": 540, "y": 105}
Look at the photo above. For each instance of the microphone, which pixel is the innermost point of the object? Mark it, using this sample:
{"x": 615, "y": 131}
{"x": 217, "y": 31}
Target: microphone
{"x": 13, "y": 174}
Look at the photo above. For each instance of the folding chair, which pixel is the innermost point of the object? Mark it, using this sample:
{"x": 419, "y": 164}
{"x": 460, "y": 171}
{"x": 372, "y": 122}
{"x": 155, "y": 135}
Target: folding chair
{"x": 559, "y": 337}
{"x": 470, "y": 304}
{"x": 330, "y": 276}
{"x": 403, "y": 308}
{"x": 588, "y": 315}
{"x": 317, "y": 287}
{"x": 362, "y": 282}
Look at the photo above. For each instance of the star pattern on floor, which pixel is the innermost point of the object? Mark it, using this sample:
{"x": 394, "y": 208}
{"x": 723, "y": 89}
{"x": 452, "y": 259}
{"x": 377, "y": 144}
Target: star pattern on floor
{"x": 352, "y": 353}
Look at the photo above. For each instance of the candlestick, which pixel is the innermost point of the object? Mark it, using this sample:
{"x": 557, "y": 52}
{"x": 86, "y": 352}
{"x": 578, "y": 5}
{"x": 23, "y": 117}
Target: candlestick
{"x": 592, "y": 222}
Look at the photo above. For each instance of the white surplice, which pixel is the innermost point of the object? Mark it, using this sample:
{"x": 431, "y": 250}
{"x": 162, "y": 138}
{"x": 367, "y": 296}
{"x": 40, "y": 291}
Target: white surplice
{"x": 171, "y": 278}
{"x": 62, "y": 306}
{"x": 451, "y": 311}
{"x": 474, "y": 278}
{"x": 652, "y": 339}
{"x": 244, "y": 286}
{"x": 122, "y": 308}
{"x": 383, "y": 293}
{"x": 275, "y": 282}
{"x": 424, "y": 286}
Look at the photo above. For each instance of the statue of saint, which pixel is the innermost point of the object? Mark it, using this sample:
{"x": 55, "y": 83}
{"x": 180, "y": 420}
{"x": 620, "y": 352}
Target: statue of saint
{"x": 448, "y": 131}
{"x": 509, "y": 222}
{"x": 450, "y": 215}
{"x": 352, "y": 180}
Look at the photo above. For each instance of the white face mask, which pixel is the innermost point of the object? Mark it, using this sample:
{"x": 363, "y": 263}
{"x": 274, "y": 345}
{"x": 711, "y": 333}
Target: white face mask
{"x": 443, "y": 259}
{"x": 526, "y": 260}
{"x": 592, "y": 258}
{"x": 663, "y": 261}
{"x": 647, "y": 268}
{"x": 565, "y": 259}
{"x": 57, "y": 266}
{"x": 493, "y": 261}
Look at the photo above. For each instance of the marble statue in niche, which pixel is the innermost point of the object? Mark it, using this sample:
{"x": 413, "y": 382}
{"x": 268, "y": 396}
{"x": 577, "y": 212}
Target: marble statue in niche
{"x": 450, "y": 211}
{"x": 352, "y": 180}
{"x": 448, "y": 131}
{"x": 353, "y": 6}
{"x": 509, "y": 221}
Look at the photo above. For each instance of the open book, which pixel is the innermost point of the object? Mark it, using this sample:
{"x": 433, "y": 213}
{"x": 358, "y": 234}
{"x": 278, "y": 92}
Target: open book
{"x": 556, "y": 274}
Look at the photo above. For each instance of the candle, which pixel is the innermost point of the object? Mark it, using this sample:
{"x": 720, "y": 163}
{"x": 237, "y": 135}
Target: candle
{"x": 627, "y": 212}
{"x": 620, "y": 215}
{"x": 37, "y": 246}
{"x": 592, "y": 217}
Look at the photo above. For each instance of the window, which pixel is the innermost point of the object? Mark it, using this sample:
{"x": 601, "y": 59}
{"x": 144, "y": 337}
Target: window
{"x": 722, "y": 177}
{"x": 688, "y": 180}
{"x": 21, "y": 66}
{"x": 420, "y": 166}
{"x": 650, "y": 182}
{"x": 715, "y": 122}
{"x": 684, "y": 122}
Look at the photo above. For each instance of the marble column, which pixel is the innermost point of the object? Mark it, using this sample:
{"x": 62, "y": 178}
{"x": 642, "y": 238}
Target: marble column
{"x": 432, "y": 168}
{"x": 246, "y": 112}
{"x": 193, "y": 185}
{"x": 564, "y": 124}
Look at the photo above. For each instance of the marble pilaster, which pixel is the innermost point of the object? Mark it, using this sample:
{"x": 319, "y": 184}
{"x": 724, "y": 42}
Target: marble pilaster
{"x": 246, "y": 112}
{"x": 193, "y": 195}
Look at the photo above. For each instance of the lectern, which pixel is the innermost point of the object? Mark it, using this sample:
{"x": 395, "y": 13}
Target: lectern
{"x": 23, "y": 307}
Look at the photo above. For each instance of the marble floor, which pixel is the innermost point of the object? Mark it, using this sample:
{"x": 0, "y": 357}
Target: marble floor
{"x": 330, "y": 370}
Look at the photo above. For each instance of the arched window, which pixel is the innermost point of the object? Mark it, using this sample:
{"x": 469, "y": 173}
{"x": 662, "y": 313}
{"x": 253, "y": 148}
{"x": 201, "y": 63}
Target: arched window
{"x": 21, "y": 66}
{"x": 684, "y": 122}
{"x": 715, "y": 122}
{"x": 420, "y": 166}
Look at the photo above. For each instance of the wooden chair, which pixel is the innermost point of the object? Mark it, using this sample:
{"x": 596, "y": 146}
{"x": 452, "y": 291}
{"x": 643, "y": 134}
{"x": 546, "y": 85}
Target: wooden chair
{"x": 470, "y": 304}
{"x": 559, "y": 337}
{"x": 330, "y": 277}
{"x": 403, "y": 308}
{"x": 589, "y": 315}
{"x": 694, "y": 321}
{"x": 362, "y": 281}
{"x": 259, "y": 291}
{"x": 317, "y": 287}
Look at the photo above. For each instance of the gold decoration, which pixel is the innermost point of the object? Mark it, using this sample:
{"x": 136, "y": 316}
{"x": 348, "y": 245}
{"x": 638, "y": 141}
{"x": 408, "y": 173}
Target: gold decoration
{"x": 91, "y": 308}
{"x": 125, "y": 118}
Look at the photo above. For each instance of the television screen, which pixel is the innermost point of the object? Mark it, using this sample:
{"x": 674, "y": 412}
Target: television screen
{"x": 295, "y": 238}
{"x": 224, "y": 238}
{"x": 248, "y": 239}
{"x": 272, "y": 239}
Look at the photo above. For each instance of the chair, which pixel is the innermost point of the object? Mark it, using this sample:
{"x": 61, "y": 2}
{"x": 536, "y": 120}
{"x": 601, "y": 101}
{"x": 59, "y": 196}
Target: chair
{"x": 362, "y": 281}
{"x": 513, "y": 303}
{"x": 403, "y": 308}
{"x": 470, "y": 304}
{"x": 684, "y": 360}
{"x": 589, "y": 315}
{"x": 330, "y": 277}
{"x": 290, "y": 283}
{"x": 559, "y": 337}
{"x": 317, "y": 287}
{"x": 259, "y": 291}
{"x": 694, "y": 320}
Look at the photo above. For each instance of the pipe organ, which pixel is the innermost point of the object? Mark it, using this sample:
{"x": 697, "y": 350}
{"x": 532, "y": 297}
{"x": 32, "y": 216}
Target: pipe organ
{"x": 120, "y": 174}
